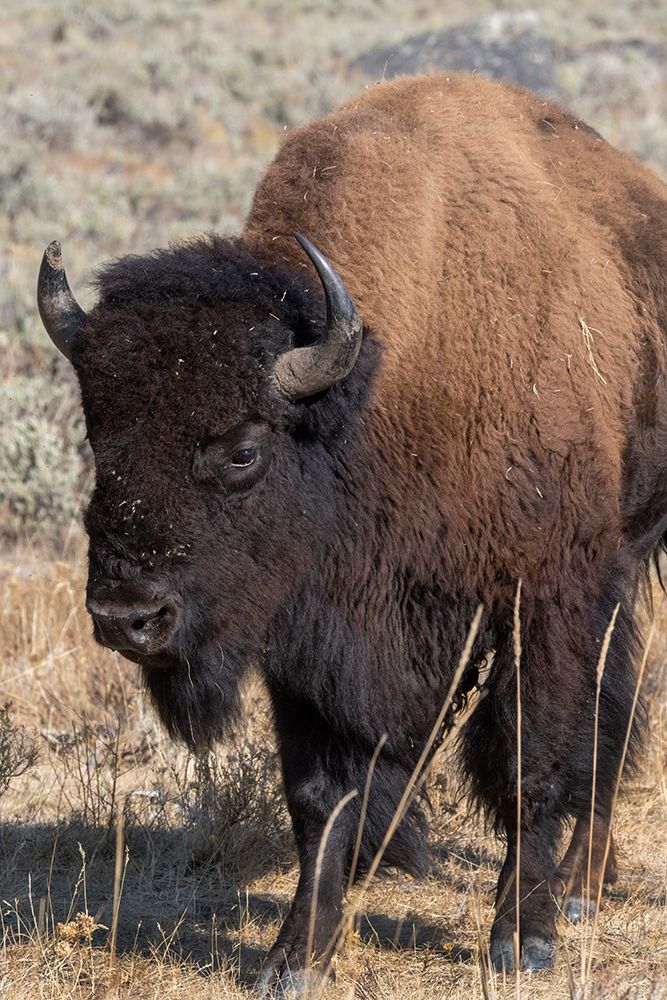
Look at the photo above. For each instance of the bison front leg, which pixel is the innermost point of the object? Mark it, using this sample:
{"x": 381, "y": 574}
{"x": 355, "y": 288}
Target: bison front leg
{"x": 300, "y": 960}
{"x": 533, "y": 930}
{"x": 528, "y": 812}
{"x": 557, "y": 680}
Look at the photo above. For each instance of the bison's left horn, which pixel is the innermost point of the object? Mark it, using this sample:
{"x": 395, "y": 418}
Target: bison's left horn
{"x": 304, "y": 371}
{"x": 61, "y": 314}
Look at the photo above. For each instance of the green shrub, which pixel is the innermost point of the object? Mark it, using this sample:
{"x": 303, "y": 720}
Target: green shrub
{"x": 42, "y": 458}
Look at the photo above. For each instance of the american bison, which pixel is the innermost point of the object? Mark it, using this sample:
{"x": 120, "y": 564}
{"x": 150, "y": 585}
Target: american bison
{"x": 325, "y": 464}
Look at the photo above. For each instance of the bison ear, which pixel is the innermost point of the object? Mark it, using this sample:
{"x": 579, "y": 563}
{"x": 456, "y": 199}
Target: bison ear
{"x": 305, "y": 371}
{"x": 61, "y": 314}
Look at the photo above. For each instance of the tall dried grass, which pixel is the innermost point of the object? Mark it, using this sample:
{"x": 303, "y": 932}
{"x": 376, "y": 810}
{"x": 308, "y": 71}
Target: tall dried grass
{"x": 195, "y": 892}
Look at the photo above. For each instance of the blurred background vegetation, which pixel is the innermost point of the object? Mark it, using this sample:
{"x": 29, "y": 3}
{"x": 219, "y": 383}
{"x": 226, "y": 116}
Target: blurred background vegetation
{"x": 125, "y": 126}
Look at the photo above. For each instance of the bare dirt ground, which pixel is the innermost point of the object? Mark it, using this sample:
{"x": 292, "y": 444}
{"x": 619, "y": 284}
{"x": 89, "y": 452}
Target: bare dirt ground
{"x": 125, "y": 126}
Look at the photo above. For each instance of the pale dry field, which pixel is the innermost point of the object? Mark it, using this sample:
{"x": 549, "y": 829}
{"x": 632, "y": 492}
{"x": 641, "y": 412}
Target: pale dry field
{"x": 207, "y": 865}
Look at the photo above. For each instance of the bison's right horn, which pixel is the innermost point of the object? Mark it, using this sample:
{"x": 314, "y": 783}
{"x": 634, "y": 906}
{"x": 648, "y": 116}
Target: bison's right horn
{"x": 61, "y": 314}
{"x": 304, "y": 371}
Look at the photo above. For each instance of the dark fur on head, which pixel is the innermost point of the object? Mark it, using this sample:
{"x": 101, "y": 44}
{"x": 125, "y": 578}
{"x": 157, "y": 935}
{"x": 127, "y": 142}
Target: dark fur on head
{"x": 200, "y": 311}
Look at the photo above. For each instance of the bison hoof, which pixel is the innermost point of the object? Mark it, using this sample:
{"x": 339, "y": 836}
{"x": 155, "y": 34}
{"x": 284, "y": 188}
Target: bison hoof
{"x": 300, "y": 982}
{"x": 538, "y": 953}
{"x": 502, "y": 955}
{"x": 576, "y": 909}
{"x": 291, "y": 983}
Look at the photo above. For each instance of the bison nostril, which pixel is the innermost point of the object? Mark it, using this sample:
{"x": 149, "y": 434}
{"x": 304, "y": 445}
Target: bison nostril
{"x": 157, "y": 619}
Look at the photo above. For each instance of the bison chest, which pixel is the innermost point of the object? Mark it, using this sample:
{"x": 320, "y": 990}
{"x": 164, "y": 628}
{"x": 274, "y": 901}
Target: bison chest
{"x": 371, "y": 667}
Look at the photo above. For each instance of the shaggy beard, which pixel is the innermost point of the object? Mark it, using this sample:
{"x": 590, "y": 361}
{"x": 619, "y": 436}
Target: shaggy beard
{"x": 196, "y": 698}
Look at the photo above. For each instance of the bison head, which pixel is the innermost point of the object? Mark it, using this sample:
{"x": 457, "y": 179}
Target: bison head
{"x": 203, "y": 372}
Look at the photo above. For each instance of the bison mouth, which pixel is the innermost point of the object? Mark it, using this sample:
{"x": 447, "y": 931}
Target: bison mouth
{"x": 157, "y": 662}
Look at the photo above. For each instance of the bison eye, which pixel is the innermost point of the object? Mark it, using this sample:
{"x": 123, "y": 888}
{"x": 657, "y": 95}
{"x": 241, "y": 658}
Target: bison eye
{"x": 235, "y": 460}
{"x": 242, "y": 458}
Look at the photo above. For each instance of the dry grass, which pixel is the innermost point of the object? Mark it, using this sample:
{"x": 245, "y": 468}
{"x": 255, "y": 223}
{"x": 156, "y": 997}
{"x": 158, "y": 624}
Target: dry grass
{"x": 208, "y": 868}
